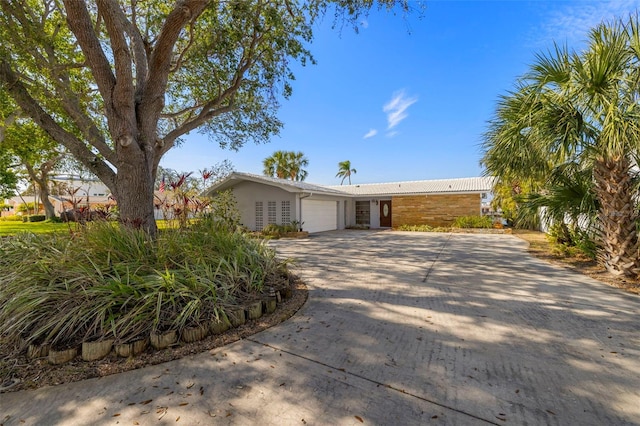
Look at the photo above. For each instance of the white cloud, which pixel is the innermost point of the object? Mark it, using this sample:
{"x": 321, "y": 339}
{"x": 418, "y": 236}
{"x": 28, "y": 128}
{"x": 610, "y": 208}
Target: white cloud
{"x": 396, "y": 108}
{"x": 371, "y": 133}
{"x": 571, "y": 22}
{"x": 364, "y": 24}
{"x": 391, "y": 134}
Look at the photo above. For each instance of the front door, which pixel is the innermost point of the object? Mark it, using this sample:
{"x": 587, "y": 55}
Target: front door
{"x": 385, "y": 214}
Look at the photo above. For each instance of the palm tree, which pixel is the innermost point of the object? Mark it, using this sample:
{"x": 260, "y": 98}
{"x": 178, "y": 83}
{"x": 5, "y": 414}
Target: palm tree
{"x": 345, "y": 171}
{"x": 296, "y": 162}
{"x": 582, "y": 109}
{"x": 286, "y": 165}
{"x": 276, "y": 165}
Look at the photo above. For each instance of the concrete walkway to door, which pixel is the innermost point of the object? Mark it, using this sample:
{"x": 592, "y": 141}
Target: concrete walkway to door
{"x": 400, "y": 328}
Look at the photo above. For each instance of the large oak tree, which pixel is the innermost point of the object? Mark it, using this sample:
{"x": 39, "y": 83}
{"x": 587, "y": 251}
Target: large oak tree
{"x": 118, "y": 83}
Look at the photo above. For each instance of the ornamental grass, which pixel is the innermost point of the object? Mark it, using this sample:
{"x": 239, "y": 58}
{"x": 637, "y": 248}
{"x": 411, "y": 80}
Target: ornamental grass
{"x": 108, "y": 281}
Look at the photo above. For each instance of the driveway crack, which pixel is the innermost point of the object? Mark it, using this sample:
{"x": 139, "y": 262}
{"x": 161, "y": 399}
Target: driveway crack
{"x": 426, "y": 277}
{"x": 375, "y": 382}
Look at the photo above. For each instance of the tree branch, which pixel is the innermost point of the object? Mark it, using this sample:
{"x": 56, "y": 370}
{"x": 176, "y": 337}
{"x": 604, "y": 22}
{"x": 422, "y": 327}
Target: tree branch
{"x": 139, "y": 51}
{"x": 160, "y": 60}
{"x": 123, "y": 99}
{"x": 186, "y": 127}
{"x": 75, "y": 146}
{"x": 213, "y": 108}
{"x": 178, "y": 62}
{"x": 80, "y": 24}
{"x": 8, "y": 121}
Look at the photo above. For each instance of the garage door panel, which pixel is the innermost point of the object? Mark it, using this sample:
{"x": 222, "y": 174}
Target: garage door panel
{"x": 319, "y": 215}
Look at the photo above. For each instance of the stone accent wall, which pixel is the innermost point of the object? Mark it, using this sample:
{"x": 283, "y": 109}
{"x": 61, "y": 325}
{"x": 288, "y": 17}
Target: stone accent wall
{"x": 433, "y": 210}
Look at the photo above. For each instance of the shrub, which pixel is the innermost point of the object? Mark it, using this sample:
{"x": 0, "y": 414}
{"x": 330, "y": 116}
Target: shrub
{"x": 571, "y": 241}
{"x": 29, "y": 207}
{"x": 224, "y": 209}
{"x": 473, "y": 222}
{"x": 272, "y": 230}
{"x": 12, "y": 218}
{"x": 36, "y": 218}
{"x": 415, "y": 228}
{"x": 110, "y": 281}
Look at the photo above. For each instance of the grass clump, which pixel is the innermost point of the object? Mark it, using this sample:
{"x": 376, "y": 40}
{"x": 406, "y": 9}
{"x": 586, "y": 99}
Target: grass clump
{"x": 473, "y": 222}
{"x": 110, "y": 281}
{"x": 12, "y": 218}
{"x": 416, "y": 228}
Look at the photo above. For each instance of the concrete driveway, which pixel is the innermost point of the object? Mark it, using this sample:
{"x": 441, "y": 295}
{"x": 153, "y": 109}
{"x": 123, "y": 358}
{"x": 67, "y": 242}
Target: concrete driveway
{"x": 400, "y": 328}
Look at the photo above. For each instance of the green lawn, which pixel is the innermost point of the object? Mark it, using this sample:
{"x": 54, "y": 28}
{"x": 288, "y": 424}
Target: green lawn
{"x": 14, "y": 227}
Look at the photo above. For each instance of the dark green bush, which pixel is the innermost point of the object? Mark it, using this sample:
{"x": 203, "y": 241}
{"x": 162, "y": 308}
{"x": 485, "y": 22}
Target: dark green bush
{"x": 37, "y": 218}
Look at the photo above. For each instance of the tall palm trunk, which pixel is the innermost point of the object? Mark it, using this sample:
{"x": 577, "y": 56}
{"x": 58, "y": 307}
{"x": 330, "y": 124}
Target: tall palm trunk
{"x": 618, "y": 239}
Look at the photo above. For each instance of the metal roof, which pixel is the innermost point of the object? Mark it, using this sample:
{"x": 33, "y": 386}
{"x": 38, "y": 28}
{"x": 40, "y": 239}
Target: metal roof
{"x": 437, "y": 186}
{"x": 285, "y": 184}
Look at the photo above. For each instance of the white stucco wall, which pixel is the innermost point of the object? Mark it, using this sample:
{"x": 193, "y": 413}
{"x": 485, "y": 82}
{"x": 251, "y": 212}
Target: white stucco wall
{"x": 247, "y": 193}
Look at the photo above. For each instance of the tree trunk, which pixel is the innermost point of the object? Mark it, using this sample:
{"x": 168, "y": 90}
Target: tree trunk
{"x": 618, "y": 239}
{"x": 42, "y": 189}
{"x": 134, "y": 195}
{"x": 49, "y": 210}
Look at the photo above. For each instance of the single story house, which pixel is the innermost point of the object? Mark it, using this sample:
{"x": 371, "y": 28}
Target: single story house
{"x": 264, "y": 200}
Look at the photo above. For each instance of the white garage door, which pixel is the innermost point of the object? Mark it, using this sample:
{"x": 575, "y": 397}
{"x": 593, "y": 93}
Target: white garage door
{"x": 319, "y": 216}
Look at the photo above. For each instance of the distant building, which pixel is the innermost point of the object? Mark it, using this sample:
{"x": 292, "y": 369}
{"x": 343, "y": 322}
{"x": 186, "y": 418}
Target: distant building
{"x": 66, "y": 192}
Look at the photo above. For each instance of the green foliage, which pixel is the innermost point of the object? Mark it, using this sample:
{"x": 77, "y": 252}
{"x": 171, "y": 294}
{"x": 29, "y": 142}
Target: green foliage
{"x": 274, "y": 230}
{"x": 416, "y": 228}
{"x": 473, "y": 222}
{"x": 36, "y": 218}
{"x": 29, "y": 207}
{"x": 571, "y": 241}
{"x": 8, "y": 176}
{"x": 12, "y": 218}
{"x": 224, "y": 210}
{"x": 110, "y": 281}
{"x": 345, "y": 171}
{"x": 286, "y": 165}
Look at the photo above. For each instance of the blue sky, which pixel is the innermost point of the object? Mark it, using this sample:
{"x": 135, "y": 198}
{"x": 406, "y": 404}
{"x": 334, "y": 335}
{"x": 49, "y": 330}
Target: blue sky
{"x": 408, "y": 98}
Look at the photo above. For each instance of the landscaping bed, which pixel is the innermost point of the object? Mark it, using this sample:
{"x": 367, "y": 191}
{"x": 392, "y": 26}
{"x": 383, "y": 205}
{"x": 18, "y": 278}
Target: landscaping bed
{"x": 109, "y": 290}
{"x": 20, "y": 373}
